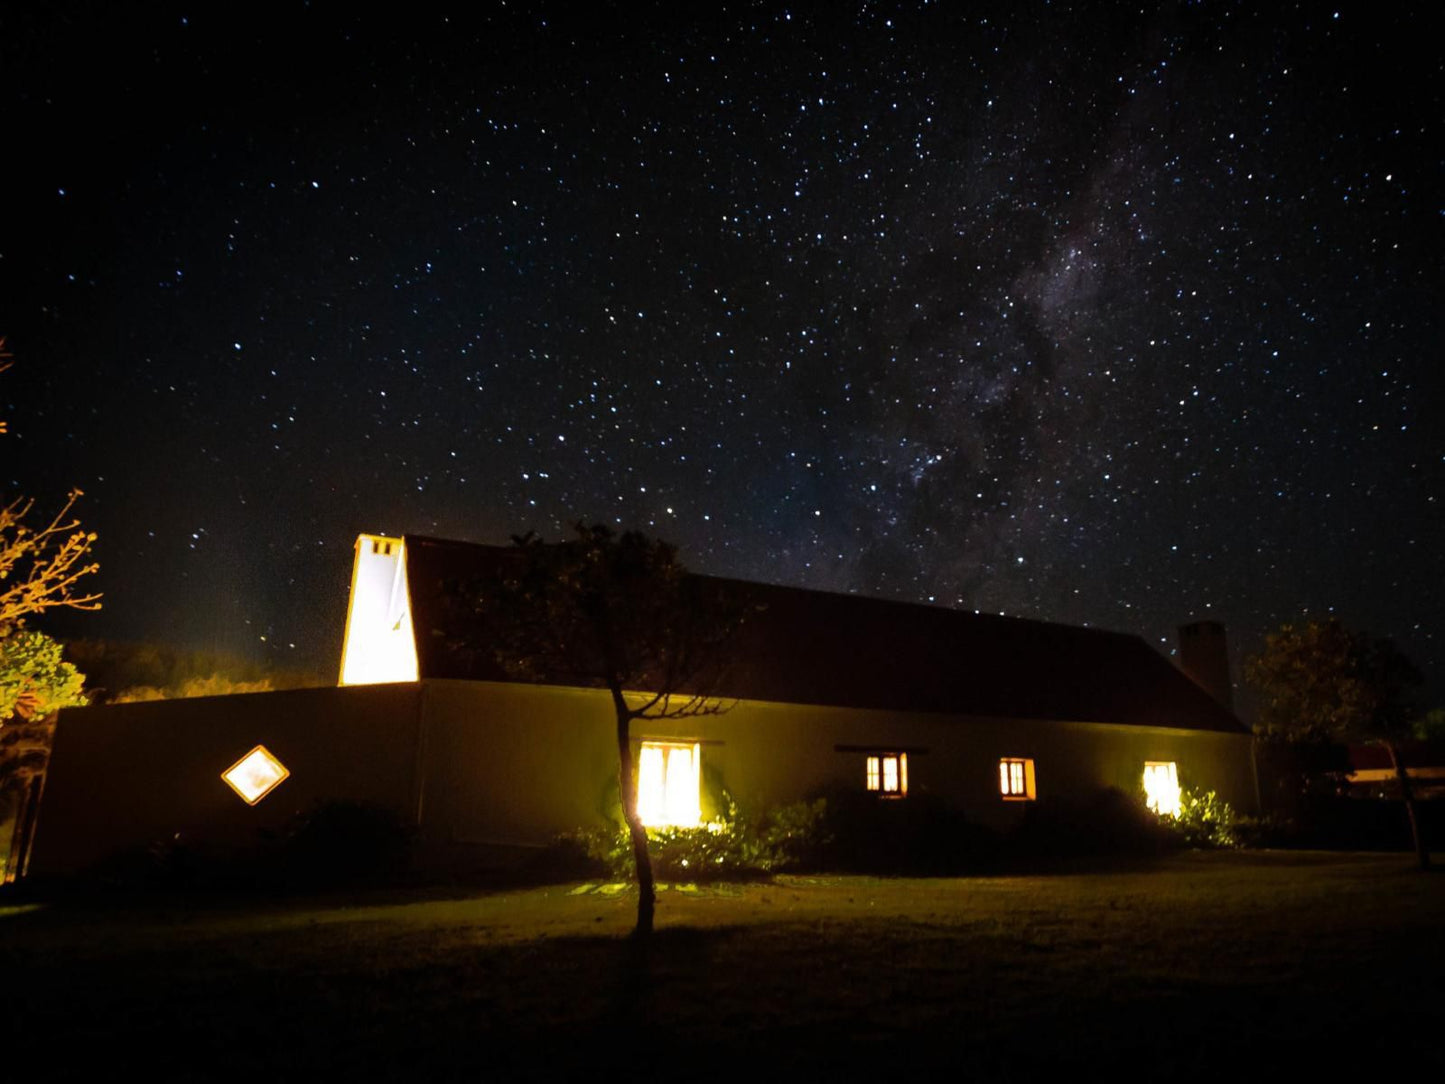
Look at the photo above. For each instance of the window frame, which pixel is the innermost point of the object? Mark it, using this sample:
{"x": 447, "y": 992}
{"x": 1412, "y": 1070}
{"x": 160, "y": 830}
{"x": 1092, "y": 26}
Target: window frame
{"x": 1026, "y": 790}
{"x": 237, "y": 779}
{"x": 660, "y": 815}
{"x": 876, "y": 774}
{"x": 1153, "y": 799}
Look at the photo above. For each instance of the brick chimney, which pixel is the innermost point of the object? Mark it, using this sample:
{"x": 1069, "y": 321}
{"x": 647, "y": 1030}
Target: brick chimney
{"x": 1204, "y": 656}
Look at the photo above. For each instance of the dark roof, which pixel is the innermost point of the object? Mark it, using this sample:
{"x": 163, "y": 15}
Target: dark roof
{"x": 812, "y": 647}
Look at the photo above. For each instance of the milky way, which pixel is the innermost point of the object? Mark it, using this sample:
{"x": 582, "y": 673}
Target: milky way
{"x": 1070, "y": 313}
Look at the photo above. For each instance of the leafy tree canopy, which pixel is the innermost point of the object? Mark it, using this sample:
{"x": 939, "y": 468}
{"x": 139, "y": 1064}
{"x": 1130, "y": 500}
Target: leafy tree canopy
{"x": 1321, "y": 681}
{"x": 35, "y": 680}
{"x": 615, "y": 611}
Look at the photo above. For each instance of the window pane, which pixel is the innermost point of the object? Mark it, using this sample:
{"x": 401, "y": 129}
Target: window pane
{"x": 255, "y": 775}
{"x": 669, "y": 785}
{"x": 890, "y": 775}
{"x": 1161, "y": 787}
{"x": 651, "y": 784}
{"x": 902, "y": 773}
{"x": 872, "y": 773}
{"x": 682, "y": 787}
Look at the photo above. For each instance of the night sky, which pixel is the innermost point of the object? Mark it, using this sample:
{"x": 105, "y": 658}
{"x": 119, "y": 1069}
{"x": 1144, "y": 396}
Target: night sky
{"x": 1078, "y": 313}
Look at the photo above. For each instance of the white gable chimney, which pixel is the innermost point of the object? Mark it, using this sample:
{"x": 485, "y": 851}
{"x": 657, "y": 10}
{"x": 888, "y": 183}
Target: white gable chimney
{"x": 379, "y": 645}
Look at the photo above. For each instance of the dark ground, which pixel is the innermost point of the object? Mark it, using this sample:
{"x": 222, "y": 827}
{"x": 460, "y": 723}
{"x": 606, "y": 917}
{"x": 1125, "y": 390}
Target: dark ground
{"x": 1208, "y": 965}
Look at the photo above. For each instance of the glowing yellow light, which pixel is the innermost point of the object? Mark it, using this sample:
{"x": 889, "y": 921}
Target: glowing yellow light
{"x": 255, "y": 775}
{"x": 669, "y": 785}
{"x": 1016, "y": 778}
{"x": 1161, "y": 787}
{"x": 888, "y": 774}
{"x": 379, "y": 645}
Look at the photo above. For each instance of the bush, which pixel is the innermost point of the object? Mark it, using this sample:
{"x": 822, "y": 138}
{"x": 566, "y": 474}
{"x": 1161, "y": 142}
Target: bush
{"x": 917, "y": 835}
{"x": 733, "y": 846}
{"x": 344, "y": 842}
{"x": 1107, "y": 822}
{"x": 1204, "y": 820}
{"x": 1267, "y": 830}
{"x": 169, "y": 864}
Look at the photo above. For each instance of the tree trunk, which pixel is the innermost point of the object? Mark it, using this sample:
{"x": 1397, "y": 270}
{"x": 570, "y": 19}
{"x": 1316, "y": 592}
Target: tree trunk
{"x": 627, "y": 778}
{"x": 1407, "y": 795}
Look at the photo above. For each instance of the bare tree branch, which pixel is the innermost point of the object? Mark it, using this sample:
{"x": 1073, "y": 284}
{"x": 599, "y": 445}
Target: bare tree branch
{"x": 41, "y": 568}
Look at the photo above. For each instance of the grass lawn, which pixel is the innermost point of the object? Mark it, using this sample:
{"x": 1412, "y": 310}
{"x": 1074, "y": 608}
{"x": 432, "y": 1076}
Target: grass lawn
{"x": 1207, "y": 964}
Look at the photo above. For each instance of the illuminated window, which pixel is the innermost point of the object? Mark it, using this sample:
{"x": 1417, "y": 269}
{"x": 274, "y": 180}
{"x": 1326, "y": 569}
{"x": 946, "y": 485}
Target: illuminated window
{"x": 887, "y": 773}
{"x": 669, "y": 785}
{"x": 1016, "y": 779}
{"x": 1161, "y": 787}
{"x": 255, "y": 775}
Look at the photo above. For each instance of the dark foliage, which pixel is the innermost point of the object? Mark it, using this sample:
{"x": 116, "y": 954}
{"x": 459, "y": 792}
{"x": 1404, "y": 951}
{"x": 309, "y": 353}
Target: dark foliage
{"x": 118, "y": 670}
{"x": 344, "y": 843}
{"x": 919, "y": 835}
{"x": 1322, "y": 682}
{"x": 337, "y": 844}
{"x": 1106, "y": 823}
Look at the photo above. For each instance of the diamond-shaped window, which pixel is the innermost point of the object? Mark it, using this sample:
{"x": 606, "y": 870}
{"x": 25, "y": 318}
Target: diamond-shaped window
{"x": 255, "y": 775}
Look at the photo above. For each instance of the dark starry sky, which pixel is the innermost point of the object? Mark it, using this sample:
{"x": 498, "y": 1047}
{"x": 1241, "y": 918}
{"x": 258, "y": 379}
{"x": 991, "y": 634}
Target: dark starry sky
{"x": 1088, "y": 314}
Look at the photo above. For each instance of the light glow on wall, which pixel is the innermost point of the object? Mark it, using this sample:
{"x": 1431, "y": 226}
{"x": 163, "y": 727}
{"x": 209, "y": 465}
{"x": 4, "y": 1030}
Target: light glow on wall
{"x": 255, "y": 775}
{"x": 1161, "y": 787}
{"x": 669, "y": 785}
{"x": 379, "y": 646}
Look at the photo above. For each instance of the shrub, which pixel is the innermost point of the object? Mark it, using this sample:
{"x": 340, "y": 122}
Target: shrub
{"x": 1204, "y": 820}
{"x": 917, "y": 835}
{"x": 1267, "y": 830}
{"x": 1107, "y": 822}
{"x": 733, "y": 846}
{"x": 344, "y": 842}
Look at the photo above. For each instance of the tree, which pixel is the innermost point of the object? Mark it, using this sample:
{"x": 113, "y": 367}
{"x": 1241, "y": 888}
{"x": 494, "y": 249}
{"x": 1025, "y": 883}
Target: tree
{"x": 41, "y": 568}
{"x": 120, "y": 672}
{"x": 1322, "y": 682}
{"x": 620, "y": 613}
{"x": 35, "y": 683}
{"x": 35, "y": 680}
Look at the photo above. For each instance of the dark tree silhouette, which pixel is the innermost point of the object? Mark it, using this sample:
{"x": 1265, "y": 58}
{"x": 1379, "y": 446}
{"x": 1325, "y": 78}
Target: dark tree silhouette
{"x": 1323, "y": 682}
{"x": 620, "y": 613}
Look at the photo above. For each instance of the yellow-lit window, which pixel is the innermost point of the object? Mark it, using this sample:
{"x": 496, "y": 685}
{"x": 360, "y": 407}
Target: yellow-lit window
{"x": 669, "y": 784}
{"x": 1161, "y": 787}
{"x": 255, "y": 775}
{"x": 1016, "y": 779}
{"x": 887, "y": 773}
